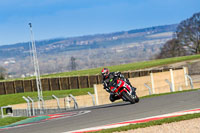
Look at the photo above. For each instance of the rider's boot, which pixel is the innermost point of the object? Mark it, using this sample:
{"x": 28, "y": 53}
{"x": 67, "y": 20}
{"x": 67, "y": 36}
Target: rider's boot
{"x": 133, "y": 91}
{"x": 113, "y": 97}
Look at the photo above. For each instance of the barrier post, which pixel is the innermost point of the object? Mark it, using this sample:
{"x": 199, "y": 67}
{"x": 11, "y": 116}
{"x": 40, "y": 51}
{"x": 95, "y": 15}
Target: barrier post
{"x": 170, "y": 85}
{"x": 75, "y": 102}
{"x": 92, "y": 98}
{"x": 28, "y": 106}
{"x": 2, "y": 113}
{"x": 150, "y": 93}
{"x": 96, "y": 94}
{"x": 191, "y": 82}
{"x": 152, "y": 83}
{"x": 67, "y": 100}
{"x": 180, "y": 88}
{"x": 33, "y": 109}
{"x": 172, "y": 80}
{"x": 185, "y": 72}
{"x": 58, "y": 103}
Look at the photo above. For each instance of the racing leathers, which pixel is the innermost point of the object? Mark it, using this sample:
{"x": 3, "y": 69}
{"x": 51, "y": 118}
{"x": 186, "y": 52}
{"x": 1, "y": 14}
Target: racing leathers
{"x": 112, "y": 77}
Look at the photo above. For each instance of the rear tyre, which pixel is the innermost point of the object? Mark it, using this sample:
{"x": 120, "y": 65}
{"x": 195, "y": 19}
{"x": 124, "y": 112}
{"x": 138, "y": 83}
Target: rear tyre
{"x": 128, "y": 97}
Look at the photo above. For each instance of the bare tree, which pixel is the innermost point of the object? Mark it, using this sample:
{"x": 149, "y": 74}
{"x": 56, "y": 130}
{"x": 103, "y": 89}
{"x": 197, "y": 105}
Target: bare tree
{"x": 2, "y": 73}
{"x": 188, "y": 34}
{"x": 171, "y": 48}
{"x": 73, "y": 63}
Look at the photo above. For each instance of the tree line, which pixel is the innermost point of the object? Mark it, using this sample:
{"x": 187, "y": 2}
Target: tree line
{"x": 185, "y": 41}
{"x": 2, "y": 73}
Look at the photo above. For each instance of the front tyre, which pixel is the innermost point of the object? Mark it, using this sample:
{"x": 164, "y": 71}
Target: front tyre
{"x": 128, "y": 97}
{"x": 136, "y": 98}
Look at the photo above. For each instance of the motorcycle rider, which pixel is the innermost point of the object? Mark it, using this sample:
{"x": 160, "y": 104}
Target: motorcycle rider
{"x": 112, "y": 76}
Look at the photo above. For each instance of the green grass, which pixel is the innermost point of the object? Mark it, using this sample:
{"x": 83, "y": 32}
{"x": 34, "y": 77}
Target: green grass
{"x": 10, "y": 99}
{"x": 17, "y": 98}
{"x": 154, "y": 95}
{"x": 123, "y": 67}
{"x": 10, "y": 120}
{"x": 151, "y": 123}
{"x": 127, "y": 67}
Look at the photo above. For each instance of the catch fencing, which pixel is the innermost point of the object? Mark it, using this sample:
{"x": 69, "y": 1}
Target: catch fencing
{"x": 52, "y": 104}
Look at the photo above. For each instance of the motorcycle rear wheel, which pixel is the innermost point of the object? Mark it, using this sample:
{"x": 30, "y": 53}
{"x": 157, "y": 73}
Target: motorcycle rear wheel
{"x": 128, "y": 97}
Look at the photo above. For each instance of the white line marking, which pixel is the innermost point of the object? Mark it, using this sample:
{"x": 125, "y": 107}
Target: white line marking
{"x": 125, "y": 123}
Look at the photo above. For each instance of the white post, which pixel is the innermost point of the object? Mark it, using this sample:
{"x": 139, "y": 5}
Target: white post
{"x": 28, "y": 106}
{"x": 33, "y": 109}
{"x": 92, "y": 98}
{"x": 185, "y": 72}
{"x": 148, "y": 88}
{"x": 2, "y": 112}
{"x": 172, "y": 80}
{"x": 68, "y": 102}
{"x": 152, "y": 83}
{"x": 180, "y": 88}
{"x": 170, "y": 85}
{"x": 96, "y": 94}
{"x": 75, "y": 102}
{"x": 58, "y": 102}
{"x": 191, "y": 83}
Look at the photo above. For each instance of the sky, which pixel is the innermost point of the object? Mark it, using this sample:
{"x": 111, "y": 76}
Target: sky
{"x": 69, "y": 18}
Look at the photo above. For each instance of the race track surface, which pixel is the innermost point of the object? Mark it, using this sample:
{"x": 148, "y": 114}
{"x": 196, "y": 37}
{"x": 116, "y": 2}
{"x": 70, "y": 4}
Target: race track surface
{"x": 114, "y": 113}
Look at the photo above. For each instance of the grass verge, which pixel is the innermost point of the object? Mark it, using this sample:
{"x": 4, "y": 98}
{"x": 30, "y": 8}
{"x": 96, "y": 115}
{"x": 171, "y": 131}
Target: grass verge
{"x": 122, "y": 67}
{"x": 130, "y": 66}
{"x": 17, "y": 98}
{"x": 154, "y": 95}
{"x": 151, "y": 123}
{"x": 10, "y": 99}
{"x": 10, "y": 120}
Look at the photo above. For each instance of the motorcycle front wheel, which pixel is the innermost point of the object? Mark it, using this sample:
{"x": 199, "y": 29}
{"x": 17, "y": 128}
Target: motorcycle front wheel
{"x": 128, "y": 97}
{"x": 137, "y": 99}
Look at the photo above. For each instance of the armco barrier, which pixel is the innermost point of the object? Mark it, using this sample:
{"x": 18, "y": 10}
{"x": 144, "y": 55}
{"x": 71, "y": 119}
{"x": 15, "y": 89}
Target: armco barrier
{"x": 65, "y": 83}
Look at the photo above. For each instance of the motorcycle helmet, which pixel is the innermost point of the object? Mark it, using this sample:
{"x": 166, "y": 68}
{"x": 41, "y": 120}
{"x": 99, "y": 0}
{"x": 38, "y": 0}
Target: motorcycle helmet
{"x": 105, "y": 72}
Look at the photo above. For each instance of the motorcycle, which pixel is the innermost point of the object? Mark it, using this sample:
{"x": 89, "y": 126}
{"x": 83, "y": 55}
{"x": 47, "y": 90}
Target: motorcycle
{"x": 124, "y": 91}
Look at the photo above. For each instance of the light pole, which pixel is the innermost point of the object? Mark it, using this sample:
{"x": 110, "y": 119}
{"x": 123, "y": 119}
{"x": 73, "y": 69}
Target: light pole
{"x": 36, "y": 67}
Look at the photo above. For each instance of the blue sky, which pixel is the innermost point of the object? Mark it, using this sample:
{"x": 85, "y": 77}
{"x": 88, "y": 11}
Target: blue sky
{"x": 68, "y": 18}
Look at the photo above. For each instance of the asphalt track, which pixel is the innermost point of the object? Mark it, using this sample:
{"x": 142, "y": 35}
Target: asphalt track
{"x": 113, "y": 113}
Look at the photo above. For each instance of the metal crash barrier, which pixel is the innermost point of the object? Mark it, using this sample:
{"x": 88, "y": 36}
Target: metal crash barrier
{"x": 57, "y": 99}
{"x": 150, "y": 92}
{"x": 75, "y": 102}
{"x": 28, "y": 106}
{"x": 33, "y": 109}
{"x": 170, "y": 85}
{"x": 191, "y": 83}
{"x": 93, "y": 99}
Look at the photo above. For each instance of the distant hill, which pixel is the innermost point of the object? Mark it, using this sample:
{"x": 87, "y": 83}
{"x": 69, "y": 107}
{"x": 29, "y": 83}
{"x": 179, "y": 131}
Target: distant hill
{"x": 84, "y": 42}
{"x": 89, "y": 51}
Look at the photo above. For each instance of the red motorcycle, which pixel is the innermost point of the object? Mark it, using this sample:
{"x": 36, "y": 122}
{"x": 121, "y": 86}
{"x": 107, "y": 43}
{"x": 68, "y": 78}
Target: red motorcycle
{"x": 124, "y": 91}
